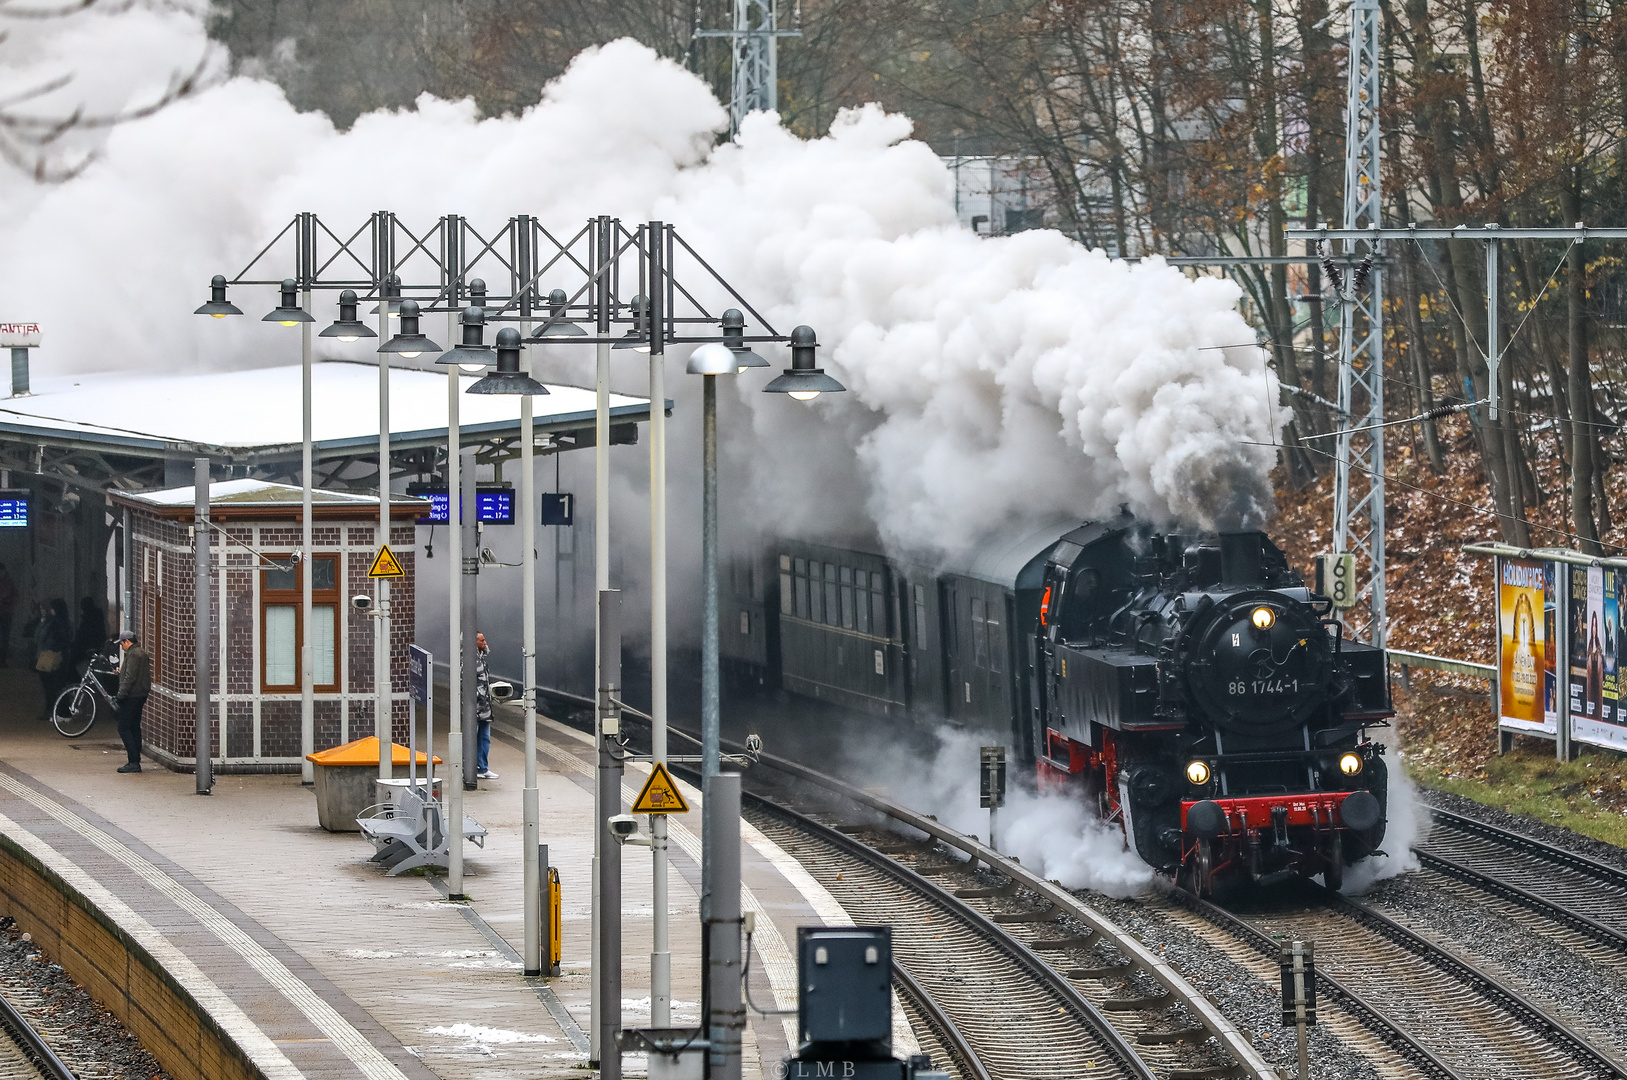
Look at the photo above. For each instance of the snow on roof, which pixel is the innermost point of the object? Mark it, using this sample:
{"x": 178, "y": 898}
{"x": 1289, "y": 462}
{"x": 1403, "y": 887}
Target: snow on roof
{"x": 238, "y": 412}
{"x": 248, "y": 492}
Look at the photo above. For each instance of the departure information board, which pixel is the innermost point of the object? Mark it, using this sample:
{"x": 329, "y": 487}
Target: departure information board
{"x": 493, "y": 505}
{"x": 14, "y": 509}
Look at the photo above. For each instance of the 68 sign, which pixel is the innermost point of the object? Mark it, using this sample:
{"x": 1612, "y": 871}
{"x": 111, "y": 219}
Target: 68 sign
{"x": 1336, "y": 579}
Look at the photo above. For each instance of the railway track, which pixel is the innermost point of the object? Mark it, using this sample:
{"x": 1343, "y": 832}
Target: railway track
{"x": 1018, "y": 968}
{"x": 1584, "y": 895}
{"x": 1447, "y": 1019}
{"x": 24, "y": 1053}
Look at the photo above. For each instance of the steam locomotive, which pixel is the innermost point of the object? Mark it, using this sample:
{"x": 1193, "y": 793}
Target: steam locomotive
{"x": 1190, "y": 687}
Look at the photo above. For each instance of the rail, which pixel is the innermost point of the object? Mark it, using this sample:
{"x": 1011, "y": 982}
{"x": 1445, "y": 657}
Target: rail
{"x": 1201, "y": 1008}
{"x": 31, "y": 1042}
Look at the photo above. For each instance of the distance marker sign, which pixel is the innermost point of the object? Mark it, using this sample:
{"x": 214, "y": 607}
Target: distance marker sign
{"x": 385, "y": 564}
{"x": 660, "y": 795}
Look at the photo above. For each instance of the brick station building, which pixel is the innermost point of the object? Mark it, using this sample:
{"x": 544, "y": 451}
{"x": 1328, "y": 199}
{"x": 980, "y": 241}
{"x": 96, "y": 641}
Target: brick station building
{"x": 258, "y": 634}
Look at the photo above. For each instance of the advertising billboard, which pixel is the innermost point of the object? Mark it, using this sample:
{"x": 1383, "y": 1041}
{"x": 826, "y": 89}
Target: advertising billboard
{"x": 1598, "y": 713}
{"x": 1526, "y": 657}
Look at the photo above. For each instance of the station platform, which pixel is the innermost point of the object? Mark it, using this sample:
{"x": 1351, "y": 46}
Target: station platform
{"x": 312, "y": 963}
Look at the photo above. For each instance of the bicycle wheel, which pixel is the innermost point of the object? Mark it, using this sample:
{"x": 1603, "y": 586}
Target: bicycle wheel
{"x": 74, "y": 712}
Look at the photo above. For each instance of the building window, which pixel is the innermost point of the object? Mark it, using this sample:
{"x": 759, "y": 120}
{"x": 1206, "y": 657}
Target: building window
{"x": 281, "y": 635}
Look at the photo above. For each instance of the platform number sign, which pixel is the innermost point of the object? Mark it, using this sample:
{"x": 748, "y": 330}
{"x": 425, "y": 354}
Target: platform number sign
{"x": 1336, "y": 579}
{"x": 991, "y": 777}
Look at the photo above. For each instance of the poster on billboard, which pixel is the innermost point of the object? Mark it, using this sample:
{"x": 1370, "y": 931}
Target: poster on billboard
{"x": 1529, "y": 692}
{"x": 1598, "y": 713}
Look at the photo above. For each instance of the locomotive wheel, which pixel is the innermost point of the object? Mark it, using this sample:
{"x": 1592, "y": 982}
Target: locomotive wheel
{"x": 1334, "y": 876}
{"x": 1203, "y": 869}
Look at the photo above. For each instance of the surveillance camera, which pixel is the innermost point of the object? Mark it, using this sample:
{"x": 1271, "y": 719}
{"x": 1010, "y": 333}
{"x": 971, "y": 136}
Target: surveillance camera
{"x": 362, "y": 602}
{"x": 623, "y": 826}
{"x": 501, "y": 691}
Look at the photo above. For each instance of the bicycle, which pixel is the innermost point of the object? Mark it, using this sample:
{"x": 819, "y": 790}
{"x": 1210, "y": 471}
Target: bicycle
{"x": 74, "y": 711}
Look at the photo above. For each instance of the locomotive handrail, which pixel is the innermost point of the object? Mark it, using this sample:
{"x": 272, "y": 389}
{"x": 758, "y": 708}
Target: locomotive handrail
{"x": 1202, "y": 1009}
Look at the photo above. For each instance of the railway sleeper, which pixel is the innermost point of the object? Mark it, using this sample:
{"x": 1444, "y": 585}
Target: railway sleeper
{"x": 1156, "y": 1038}
{"x": 1145, "y": 1003}
{"x": 1109, "y": 972}
{"x": 1210, "y": 1072}
{"x": 1008, "y": 889}
{"x": 1042, "y": 915}
{"x": 1065, "y": 944}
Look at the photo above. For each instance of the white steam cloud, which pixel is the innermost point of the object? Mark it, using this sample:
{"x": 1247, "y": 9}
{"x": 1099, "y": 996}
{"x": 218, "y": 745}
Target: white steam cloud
{"x": 991, "y": 382}
{"x": 1056, "y": 836}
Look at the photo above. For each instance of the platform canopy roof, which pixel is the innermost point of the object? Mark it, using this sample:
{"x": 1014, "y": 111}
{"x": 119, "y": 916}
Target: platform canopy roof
{"x": 117, "y": 429}
{"x": 255, "y": 414}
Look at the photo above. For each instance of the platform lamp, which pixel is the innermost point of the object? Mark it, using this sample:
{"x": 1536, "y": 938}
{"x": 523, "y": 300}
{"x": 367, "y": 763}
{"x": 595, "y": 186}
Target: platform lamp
{"x": 408, "y": 341}
{"x": 289, "y": 312}
{"x": 218, "y": 306}
{"x": 637, "y": 338}
{"x": 558, "y": 324}
{"x": 734, "y": 339}
{"x": 507, "y": 378}
{"x": 391, "y": 301}
{"x": 347, "y": 327}
{"x": 802, "y": 380}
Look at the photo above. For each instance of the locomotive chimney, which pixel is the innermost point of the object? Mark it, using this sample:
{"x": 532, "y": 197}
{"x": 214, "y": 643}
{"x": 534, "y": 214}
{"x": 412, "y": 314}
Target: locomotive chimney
{"x": 1241, "y": 555}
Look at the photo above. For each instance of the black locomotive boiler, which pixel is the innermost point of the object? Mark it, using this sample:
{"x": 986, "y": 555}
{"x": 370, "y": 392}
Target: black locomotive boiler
{"x": 1190, "y": 687}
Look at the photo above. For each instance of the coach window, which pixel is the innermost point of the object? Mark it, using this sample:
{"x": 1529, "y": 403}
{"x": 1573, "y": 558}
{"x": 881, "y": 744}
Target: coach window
{"x": 787, "y": 597}
{"x": 832, "y": 604}
{"x": 919, "y": 595}
{"x": 281, "y": 635}
{"x": 847, "y": 597}
{"x": 861, "y": 602}
{"x": 878, "y": 605}
{"x": 997, "y": 644}
{"x": 802, "y": 588}
{"x": 980, "y": 634}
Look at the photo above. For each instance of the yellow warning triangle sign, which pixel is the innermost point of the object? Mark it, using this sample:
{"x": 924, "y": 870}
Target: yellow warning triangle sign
{"x": 660, "y": 795}
{"x": 385, "y": 564}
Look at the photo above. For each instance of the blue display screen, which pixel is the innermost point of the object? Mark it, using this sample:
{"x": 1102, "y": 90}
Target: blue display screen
{"x": 493, "y": 506}
{"x": 13, "y": 509}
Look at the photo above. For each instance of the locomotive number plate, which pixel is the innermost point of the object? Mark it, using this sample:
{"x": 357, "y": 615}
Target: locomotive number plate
{"x": 1237, "y": 687}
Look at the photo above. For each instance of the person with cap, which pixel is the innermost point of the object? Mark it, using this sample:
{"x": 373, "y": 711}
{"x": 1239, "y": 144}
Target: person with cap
{"x": 482, "y": 712}
{"x": 135, "y": 682}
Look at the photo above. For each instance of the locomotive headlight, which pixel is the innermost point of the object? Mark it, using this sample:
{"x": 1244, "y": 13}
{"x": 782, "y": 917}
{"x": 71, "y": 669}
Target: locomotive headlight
{"x": 1263, "y": 618}
{"x": 1350, "y": 764}
{"x": 1197, "y": 773}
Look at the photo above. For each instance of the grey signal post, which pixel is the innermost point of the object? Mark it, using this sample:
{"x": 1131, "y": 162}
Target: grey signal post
{"x": 991, "y": 786}
{"x": 204, "y": 747}
{"x": 608, "y": 912}
{"x": 726, "y": 1021}
{"x": 1298, "y": 961}
{"x": 470, "y": 528}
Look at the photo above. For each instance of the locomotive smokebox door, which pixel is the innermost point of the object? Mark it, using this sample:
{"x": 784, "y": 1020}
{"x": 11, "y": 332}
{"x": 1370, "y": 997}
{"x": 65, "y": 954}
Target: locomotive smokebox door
{"x": 991, "y": 777}
{"x": 846, "y": 994}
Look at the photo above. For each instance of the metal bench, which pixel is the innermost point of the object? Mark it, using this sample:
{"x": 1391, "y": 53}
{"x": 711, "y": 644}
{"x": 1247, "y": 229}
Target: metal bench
{"x": 410, "y": 831}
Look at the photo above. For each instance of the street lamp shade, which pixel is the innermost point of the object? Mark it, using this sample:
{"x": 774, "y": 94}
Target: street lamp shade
{"x": 558, "y": 324}
{"x": 392, "y": 296}
{"x": 713, "y": 359}
{"x": 218, "y": 305}
{"x": 408, "y": 342}
{"x": 473, "y": 354}
{"x": 347, "y": 327}
{"x": 508, "y": 378}
{"x": 802, "y": 380}
{"x": 734, "y": 336}
{"x": 289, "y": 313}
{"x": 638, "y": 338}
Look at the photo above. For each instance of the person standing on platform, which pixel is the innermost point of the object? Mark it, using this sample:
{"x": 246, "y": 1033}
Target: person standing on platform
{"x": 482, "y": 712}
{"x": 135, "y": 681}
{"x": 8, "y": 607}
{"x": 53, "y": 638}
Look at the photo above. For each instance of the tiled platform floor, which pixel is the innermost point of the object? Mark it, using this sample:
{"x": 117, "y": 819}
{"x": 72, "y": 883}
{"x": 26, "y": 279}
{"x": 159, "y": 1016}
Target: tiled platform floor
{"x": 348, "y": 973}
